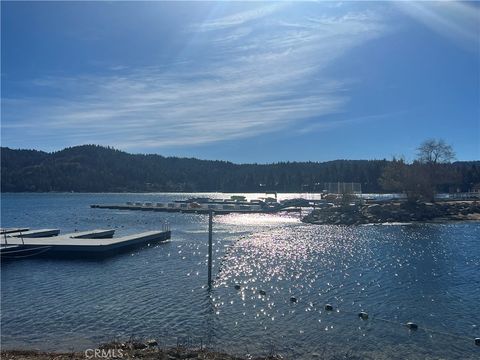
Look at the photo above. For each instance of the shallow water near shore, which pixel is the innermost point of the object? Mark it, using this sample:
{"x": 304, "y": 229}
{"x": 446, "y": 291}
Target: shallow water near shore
{"x": 426, "y": 273}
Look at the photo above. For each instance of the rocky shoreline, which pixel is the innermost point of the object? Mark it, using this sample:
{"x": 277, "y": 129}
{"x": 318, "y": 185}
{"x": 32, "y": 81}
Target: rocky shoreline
{"x": 119, "y": 353}
{"x": 395, "y": 211}
{"x": 137, "y": 348}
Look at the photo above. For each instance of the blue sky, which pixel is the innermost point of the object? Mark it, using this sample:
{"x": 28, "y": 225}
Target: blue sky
{"x": 245, "y": 82}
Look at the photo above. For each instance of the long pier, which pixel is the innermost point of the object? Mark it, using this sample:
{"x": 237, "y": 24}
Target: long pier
{"x": 218, "y": 209}
{"x": 180, "y": 210}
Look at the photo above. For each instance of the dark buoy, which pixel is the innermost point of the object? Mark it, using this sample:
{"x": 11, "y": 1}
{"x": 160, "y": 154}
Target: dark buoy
{"x": 237, "y": 287}
{"x": 262, "y": 292}
{"x": 477, "y": 341}
{"x": 328, "y": 307}
{"x": 363, "y": 315}
{"x": 411, "y": 325}
{"x": 293, "y": 299}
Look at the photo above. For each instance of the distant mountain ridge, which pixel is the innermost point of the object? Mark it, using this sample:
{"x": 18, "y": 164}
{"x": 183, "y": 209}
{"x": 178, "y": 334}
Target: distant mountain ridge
{"x": 93, "y": 168}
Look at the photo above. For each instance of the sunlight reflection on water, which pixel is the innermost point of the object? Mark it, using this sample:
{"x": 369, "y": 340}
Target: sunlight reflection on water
{"x": 423, "y": 273}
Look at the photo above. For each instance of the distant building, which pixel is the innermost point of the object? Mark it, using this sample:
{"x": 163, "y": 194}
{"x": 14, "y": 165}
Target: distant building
{"x": 342, "y": 188}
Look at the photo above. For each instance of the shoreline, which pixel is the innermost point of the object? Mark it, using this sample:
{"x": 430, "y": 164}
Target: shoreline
{"x": 395, "y": 212}
{"x": 131, "y": 351}
{"x": 155, "y": 353}
{"x": 133, "y": 348}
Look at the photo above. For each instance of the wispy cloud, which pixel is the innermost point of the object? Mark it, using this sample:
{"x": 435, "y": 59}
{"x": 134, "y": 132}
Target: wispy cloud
{"x": 240, "y": 18}
{"x": 262, "y": 74}
{"x": 459, "y": 21}
{"x": 346, "y": 121}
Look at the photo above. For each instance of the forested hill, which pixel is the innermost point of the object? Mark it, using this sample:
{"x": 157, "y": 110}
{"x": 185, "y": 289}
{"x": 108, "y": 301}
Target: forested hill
{"x": 91, "y": 168}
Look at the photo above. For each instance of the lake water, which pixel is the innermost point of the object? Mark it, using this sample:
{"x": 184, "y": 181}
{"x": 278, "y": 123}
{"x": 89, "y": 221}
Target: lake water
{"x": 426, "y": 273}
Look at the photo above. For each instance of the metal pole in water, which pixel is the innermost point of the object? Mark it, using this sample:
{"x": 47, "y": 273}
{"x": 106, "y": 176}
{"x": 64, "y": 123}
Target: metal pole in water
{"x": 210, "y": 223}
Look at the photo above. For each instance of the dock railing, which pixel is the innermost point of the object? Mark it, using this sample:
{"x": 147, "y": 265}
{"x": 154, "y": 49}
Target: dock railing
{"x": 5, "y": 237}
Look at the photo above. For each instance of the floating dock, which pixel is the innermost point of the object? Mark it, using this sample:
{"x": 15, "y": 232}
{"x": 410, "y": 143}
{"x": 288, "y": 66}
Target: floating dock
{"x": 68, "y": 246}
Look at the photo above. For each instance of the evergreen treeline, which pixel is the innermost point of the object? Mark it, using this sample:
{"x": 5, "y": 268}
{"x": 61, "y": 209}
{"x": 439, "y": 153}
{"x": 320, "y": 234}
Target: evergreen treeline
{"x": 92, "y": 168}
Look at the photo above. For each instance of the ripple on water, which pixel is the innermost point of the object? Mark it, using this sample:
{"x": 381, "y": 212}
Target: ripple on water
{"x": 422, "y": 273}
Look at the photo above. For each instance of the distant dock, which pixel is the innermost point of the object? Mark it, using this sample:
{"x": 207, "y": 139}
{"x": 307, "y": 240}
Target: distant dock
{"x": 207, "y": 205}
{"x": 218, "y": 211}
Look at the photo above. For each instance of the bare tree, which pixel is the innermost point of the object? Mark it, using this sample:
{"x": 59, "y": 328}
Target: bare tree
{"x": 433, "y": 151}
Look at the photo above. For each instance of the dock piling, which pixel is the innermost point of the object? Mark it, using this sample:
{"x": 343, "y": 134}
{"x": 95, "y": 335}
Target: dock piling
{"x": 210, "y": 225}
